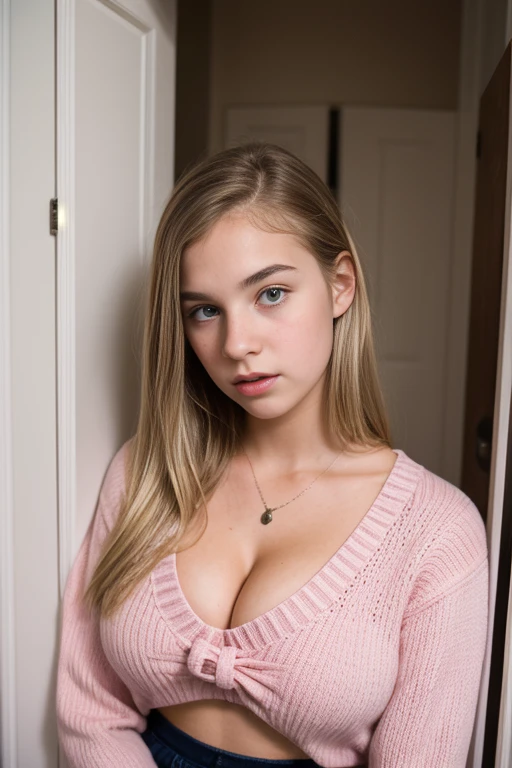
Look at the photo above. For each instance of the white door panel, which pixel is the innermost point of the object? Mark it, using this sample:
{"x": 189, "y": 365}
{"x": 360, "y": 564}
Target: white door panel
{"x": 120, "y": 142}
{"x": 397, "y": 192}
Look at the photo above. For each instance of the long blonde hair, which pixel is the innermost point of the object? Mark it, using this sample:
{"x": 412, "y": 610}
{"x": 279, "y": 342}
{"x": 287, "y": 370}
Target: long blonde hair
{"x": 188, "y": 429}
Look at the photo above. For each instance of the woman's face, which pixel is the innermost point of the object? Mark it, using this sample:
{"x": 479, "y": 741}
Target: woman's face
{"x": 278, "y": 323}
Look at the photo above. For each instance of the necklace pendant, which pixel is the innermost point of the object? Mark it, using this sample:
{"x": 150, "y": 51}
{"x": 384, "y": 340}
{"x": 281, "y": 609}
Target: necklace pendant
{"x": 266, "y": 517}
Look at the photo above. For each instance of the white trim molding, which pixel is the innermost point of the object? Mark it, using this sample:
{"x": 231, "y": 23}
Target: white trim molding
{"x": 8, "y": 736}
{"x": 66, "y": 399}
{"x": 65, "y": 299}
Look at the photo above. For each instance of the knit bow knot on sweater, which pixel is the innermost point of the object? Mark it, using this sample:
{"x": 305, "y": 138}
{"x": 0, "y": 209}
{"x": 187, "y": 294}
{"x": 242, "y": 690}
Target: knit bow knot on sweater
{"x": 227, "y": 668}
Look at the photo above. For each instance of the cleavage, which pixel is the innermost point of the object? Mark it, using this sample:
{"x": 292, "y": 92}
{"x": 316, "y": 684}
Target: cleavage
{"x": 239, "y": 569}
{"x": 226, "y": 588}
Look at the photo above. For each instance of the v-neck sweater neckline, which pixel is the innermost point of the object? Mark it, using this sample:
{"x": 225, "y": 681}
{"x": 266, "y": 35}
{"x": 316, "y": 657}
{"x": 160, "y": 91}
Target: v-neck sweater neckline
{"x": 308, "y": 601}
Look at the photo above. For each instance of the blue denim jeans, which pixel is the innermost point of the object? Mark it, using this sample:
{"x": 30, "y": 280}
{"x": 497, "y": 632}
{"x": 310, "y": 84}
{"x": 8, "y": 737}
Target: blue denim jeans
{"x": 173, "y": 748}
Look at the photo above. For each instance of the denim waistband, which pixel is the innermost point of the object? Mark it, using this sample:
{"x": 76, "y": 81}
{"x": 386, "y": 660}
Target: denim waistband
{"x": 207, "y": 756}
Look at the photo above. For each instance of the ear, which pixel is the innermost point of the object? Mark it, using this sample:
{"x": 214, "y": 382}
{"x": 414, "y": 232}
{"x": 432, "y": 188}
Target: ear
{"x": 344, "y": 284}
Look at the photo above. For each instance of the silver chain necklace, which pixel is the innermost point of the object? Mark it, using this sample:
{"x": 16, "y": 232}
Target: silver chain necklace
{"x": 266, "y": 517}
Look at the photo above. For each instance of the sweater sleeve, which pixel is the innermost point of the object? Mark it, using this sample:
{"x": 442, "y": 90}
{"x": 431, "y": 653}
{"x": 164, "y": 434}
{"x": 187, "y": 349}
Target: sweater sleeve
{"x": 429, "y": 718}
{"x": 98, "y": 724}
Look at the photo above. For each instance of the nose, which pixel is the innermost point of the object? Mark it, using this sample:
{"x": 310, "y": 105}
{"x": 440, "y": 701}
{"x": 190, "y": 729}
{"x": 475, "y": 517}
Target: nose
{"x": 240, "y": 336}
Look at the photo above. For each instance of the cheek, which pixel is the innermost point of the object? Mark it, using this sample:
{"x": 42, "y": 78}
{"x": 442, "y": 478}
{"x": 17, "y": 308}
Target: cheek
{"x": 307, "y": 337}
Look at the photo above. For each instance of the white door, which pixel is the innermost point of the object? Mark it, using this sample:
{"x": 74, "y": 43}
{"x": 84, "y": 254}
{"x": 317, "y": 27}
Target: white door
{"x": 115, "y": 161}
{"x": 97, "y": 133}
{"x": 397, "y": 198}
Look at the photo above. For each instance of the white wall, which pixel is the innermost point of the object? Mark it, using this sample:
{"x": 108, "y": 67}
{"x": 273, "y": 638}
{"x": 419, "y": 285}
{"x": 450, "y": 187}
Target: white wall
{"x": 33, "y": 382}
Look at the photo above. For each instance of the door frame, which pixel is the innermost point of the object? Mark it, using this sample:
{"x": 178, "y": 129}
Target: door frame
{"x": 464, "y": 201}
{"x": 501, "y": 468}
{"x": 7, "y": 638}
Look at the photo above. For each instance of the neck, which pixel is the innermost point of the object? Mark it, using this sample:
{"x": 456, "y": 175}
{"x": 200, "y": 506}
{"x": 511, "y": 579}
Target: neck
{"x": 294, "y": 442}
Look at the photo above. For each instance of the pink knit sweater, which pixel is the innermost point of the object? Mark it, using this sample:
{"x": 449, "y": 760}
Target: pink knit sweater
{"x": 376, "y": 660}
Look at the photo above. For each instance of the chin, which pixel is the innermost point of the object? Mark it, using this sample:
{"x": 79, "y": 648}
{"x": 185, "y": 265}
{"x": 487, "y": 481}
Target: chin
{"x": 265, "y": 416}
{"x": 270, "y": 410}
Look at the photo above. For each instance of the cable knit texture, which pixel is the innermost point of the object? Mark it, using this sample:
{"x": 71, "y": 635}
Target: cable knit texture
{"x": 376, "y": 660}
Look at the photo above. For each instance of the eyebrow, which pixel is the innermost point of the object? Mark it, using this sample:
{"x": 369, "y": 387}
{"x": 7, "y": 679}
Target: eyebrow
{"x": 247, "y": 282}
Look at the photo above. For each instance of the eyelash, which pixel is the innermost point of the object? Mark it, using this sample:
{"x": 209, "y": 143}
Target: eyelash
{"x": 270, "y": 288}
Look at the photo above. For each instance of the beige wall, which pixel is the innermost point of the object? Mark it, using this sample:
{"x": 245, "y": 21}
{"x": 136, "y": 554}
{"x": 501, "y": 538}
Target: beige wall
{"x": 398, "y": 53}
{"x": 192, "y": 81}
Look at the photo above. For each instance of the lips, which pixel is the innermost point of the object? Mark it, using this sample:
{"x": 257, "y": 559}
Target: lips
{"x": 252, "y": 376}
{"x": 252, "y": 388}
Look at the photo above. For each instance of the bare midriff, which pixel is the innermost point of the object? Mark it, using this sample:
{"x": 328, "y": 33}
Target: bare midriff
{"x": 239, "y": 569}
{"x": 231, "y": 727}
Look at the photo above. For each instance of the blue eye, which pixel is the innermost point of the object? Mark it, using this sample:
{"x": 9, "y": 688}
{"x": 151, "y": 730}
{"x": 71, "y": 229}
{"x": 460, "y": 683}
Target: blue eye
{"x": 274, "y": 303}
{"x": 274, "y": 288}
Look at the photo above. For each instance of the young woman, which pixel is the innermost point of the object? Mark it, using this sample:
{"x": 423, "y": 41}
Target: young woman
{"x": 266, "y": 581}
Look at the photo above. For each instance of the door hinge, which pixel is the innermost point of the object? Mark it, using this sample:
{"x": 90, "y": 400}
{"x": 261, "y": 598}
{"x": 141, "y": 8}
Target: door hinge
{"x": 54, "y": 215}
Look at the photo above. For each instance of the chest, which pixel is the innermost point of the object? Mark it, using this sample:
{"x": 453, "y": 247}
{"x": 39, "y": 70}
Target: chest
{"x": 240, "y": 569}
{"x": 311, "y": 615}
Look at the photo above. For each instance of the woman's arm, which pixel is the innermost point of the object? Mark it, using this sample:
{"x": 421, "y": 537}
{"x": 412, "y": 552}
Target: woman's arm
{"x": 430, "y": 717}
{"x": 98, "y": 723}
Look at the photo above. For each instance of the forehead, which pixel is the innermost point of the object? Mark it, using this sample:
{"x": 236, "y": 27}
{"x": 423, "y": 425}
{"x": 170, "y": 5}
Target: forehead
{"x": 235, "y": 245}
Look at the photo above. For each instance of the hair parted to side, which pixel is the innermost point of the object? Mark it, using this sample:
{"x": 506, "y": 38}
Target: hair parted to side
{"x": 188, "y": 429}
